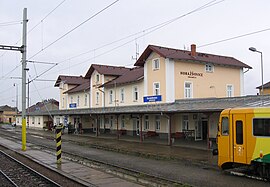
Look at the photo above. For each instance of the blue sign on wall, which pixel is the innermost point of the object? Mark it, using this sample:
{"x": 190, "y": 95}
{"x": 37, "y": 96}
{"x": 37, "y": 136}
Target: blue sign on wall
{"x": 153, "y": 98}
{"x": 72, "y": 105}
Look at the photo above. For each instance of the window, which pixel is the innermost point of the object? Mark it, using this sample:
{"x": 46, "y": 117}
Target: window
{"x": 229, "y": 90}
{"x": 156, "y": 88}
{"x": 135, "y": 93}
{"x": 156, "y": 64}
{"x": 225, "y": 126}
{"x": 97, "y": 98}
{"x": 188, "y": 90}
{"x": 97, "y": 77}
{"x": 185, "y": 122}
{"x": 71, "y": 99}
{"x": 110, "y": 96}
{"x": 39, "y": 120}
{"x": 123, "y": 122}
{"x": 63, "y": 102}
{"x": 146, "y": 122}
{"x": 261, "y": 127}
{"x": 85, "y": 99}
{"x": 239, "y": 132}
{"x": 157, "y": 123}
{"x": 78, "y": 100}
{"x": 122, "y": 95}
{"x": 33, "y": 120}
{"x": 209, "y": 68}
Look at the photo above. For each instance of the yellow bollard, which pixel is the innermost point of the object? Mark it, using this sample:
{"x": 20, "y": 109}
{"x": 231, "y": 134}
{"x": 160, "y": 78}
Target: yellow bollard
{"x": 58, "y": 130}
{"x": 24, "y": 134}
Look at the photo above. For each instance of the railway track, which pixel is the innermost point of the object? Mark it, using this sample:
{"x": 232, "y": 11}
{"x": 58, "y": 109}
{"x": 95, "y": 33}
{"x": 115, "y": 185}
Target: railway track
{"x": 15, "y": 173}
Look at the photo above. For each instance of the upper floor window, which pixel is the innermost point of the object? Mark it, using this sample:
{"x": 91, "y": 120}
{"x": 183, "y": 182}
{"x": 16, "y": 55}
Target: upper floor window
{"x": 209, "y": 67}
{"x": 78, "y": 100}
{"x": 156, "y": 64}
{"x": 122, "y": 95}
{"x": 97, "y": 77}
{"x": 110, "y": 96}
{"x": 156, "y": 88}
{"x": 71, "y": 99}
{"x": 85, "y": 99}
{"x": 63, "y": 102}
{"x": 188, "y": 90}
{"x": 230, "y": 90}
{"x": 135, "y": 93}
{"x": 97, "y": 98}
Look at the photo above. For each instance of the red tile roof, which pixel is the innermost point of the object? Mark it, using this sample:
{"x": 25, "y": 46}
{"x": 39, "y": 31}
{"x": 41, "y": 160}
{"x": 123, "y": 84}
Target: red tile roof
{"x": 73, "y": 80}
{"x": 106, "y": 70}
{"x": 133, "y": 75}
{"x": 82, "y": 87}
{"x": 186, "y": 55}
{"x": 266, "y": 85}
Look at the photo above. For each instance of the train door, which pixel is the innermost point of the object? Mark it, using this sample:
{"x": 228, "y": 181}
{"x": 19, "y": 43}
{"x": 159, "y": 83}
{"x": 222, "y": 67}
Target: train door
{"x": 239, "y": 139}
{"x": 224, "y": 131}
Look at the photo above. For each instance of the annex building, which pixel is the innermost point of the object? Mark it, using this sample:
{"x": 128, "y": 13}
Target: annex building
{"x": 168, "y": 94}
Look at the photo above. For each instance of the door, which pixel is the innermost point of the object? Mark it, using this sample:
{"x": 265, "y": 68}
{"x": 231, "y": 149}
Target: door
{"x": 136, "y": 126}
{"x": 198, "y": 130}
{"x": 239, "y": 144}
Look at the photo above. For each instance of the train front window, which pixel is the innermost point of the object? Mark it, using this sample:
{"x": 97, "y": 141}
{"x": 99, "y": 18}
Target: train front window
{"x": 225, "y": 126}
{"x": 261, "y": 127}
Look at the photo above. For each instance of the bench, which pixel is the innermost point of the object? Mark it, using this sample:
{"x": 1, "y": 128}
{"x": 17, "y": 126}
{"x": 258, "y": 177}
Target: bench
{"x": 178, "y": 135}
{"x": 150, "y": 134}
{"x": 122, "y": 132}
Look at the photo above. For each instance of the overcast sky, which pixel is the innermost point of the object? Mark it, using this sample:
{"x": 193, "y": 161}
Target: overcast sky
{"x": 77, "y": 50}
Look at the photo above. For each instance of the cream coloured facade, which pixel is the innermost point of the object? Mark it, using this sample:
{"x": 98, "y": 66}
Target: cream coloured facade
{"x": 162, "y": 77}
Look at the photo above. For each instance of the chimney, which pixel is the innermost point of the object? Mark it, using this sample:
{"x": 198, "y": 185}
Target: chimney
{"x": 193, "y": 50}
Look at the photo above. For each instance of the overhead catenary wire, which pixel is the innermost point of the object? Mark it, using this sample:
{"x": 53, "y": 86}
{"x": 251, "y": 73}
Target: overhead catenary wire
{"x": 70, "y": 31}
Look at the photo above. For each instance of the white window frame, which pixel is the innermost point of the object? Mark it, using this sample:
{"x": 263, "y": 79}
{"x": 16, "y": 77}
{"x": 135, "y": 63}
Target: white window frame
{"x": 135, "y": 90}
{"x": 157, "y": 122}
{"x": 146, "y": 122}
{"x": 78, "y": 100}
{"x": 97, "y": 98}
{"x": 71, "y": 99}
{"x": 97, "y": 77}
{"x": 156, "y": 64}
{"x": 156, "y": 90}
{"x": 122, "y": 95}
{"x": 230, "y": 92}
{"x": 110, "y": 96}
{"x": 85, "y": 99}
{"x": 63, "y": 102}
{"x": 185, "y": 122}
{"x": 188, "y": 89}
{"x": 209, "y": 68}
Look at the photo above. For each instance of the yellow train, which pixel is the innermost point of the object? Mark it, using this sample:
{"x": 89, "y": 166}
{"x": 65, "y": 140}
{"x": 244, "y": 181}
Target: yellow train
{"x": 244, "y": 139}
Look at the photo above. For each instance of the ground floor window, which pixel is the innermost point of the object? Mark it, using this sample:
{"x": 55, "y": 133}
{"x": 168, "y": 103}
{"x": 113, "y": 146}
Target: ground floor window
{"x": 123, "y": 122}
{"x": 146, "y": 123}
{"x": 185, "y": 122}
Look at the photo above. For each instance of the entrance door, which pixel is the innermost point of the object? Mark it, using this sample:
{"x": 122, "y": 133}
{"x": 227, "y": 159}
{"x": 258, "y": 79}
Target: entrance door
{"x": 239, "y": 144}
{"x": 198, "y": 130}
{"x": 136, "y": 126}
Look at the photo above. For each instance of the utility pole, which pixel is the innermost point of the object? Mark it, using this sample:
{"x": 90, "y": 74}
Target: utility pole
{"x": 22, "y": 49}
{"x": 24, "y": 79}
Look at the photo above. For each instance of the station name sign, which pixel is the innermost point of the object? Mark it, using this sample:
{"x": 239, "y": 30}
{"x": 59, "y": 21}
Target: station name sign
{"x": 191, "y": 74}
{"x": 153, "y": 98}
{"x": 72, "y": 105}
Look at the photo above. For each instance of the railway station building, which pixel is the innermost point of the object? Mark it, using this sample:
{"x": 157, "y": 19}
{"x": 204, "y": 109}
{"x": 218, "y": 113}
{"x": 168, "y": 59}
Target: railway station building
{"x": 168, "y": 94}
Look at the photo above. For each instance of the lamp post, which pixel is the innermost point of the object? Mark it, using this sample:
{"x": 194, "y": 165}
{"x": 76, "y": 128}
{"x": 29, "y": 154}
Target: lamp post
{"x": 16, "y": 85}
{"x": 253, "y": 49}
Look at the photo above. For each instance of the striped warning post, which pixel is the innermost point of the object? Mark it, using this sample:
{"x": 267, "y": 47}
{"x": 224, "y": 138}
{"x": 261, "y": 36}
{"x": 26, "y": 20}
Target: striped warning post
{"x": 58, "y": 144}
